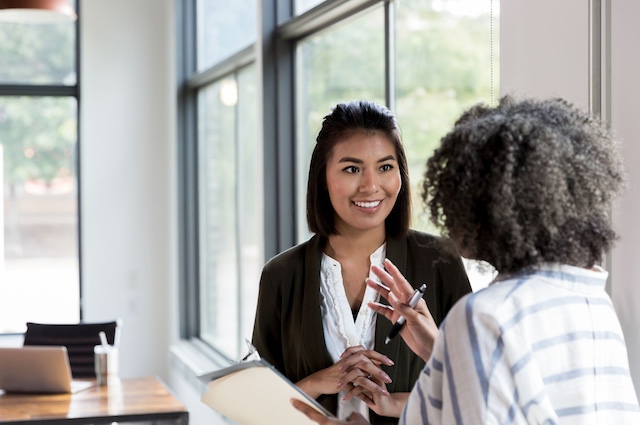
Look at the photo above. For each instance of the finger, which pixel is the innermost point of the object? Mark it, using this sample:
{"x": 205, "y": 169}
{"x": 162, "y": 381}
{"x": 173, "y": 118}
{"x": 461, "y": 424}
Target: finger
{"x": 377, "y": 358}
{"x": 379, "y": 287}
{"x": 385, "y": 278}
{"x": 363, "y": 358}
{"x": 401, "y": 288}
{"x": 383, "y": 309}
{"x": 359, "y": 392}
{"x": 365, "y": 384}
{"x": 309, "y": 411}
{"x": 366, "y": 371}
{"x": 351, "y": 350}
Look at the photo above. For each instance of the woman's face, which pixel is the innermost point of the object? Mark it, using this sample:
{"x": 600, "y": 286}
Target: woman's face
{"x": 363, "y": 180}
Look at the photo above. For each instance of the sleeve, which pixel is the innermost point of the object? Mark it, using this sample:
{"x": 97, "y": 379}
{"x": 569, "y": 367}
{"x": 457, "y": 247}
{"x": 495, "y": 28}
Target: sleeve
{"x": 437, "y": 397}
{"x": 267, "y": 332}
{"x": 468, "y": 378}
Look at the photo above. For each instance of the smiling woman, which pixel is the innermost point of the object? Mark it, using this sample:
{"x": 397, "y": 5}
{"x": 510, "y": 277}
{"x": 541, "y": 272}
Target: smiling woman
{"x": 313, "y": 322}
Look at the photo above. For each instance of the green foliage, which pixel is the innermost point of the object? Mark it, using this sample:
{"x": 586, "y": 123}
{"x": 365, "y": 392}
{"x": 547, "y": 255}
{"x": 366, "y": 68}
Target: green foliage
{"x": 443, "y": 65}
{"x": 37, "y": 133}
{"x": 37, "y": 53}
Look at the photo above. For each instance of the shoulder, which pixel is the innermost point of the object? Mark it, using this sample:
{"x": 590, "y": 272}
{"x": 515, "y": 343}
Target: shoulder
{"x": 491, "y": 306}
{"x": 295, "y": 259}
{"x": 421, "y": 240}
{"x": 286, "y": 262}
{"x": 287, "y": 257}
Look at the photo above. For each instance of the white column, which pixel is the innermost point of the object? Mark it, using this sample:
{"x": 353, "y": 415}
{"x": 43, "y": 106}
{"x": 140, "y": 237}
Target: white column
{"x": 625, "y": 104}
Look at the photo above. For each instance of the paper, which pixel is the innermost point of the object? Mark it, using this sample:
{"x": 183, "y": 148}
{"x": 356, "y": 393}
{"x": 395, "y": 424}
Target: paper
{"x": 255, "y": 393}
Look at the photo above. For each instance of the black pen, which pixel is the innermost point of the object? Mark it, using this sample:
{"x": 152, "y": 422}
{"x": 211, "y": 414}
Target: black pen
{"x": 412, "y": 303}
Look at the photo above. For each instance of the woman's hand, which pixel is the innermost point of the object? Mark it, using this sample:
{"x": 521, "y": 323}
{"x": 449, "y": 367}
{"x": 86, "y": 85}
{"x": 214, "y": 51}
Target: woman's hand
{"x": 384, "y": 404}
{"x": 367, "y": 381}
{"x": 420, "y": 330}
{"x": 354, "y": 367}
{"x": 314, "y": 415}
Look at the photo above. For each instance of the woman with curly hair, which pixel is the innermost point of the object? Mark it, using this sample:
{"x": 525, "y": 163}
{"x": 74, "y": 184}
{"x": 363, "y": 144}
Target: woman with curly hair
{"x": 526, "y": 186}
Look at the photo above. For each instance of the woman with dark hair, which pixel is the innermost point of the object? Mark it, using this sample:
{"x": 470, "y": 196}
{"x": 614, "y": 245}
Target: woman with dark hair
{"x": 527, "y": 186}
{"x": 313, "y": 321}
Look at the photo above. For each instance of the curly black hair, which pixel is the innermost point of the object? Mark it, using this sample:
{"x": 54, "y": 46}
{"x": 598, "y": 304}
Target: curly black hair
{"x": 524, "y": 183}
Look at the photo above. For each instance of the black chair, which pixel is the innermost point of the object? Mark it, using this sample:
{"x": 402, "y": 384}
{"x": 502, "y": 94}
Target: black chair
{"x": 79, "y": 338}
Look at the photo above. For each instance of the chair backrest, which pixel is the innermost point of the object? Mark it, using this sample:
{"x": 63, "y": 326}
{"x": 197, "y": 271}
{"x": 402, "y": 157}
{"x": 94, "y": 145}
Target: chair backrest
{"x": 79, "y": 338}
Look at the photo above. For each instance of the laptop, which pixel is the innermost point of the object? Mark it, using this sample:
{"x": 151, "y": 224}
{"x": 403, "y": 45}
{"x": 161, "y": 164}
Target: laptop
{"x": 38, "y": 369}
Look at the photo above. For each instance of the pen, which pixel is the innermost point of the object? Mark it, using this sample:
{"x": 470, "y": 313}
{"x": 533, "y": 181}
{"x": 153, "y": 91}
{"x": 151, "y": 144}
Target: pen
{"x": 413, "y": 301}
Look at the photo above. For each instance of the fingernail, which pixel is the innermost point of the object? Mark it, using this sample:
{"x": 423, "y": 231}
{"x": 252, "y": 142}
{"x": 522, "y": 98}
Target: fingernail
{"x": 386, "y": 378}
{"x": 388, "y": 361}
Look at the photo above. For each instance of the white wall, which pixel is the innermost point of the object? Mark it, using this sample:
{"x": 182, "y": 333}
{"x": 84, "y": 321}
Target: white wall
{"x": 544, "y": 47}
{"x": 625, "y": 101}
{"x": 128, "y": 175}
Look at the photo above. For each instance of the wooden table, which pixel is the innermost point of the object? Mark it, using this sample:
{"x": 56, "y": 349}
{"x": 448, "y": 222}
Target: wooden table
{"x": 130, "y": 400}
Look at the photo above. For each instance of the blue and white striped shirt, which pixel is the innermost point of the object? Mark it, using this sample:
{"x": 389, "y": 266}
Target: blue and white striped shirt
{"x": 543, "y": 347}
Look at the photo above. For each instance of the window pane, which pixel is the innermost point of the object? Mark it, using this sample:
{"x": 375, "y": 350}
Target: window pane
{"x": 230, "y": 211}
{"x": 250, "y": 205}
{"x": 224, "y": 28}
{"x": 341, "y": 64}
{"x": 39, "y": 275}
{"x": 302, "y": 6}
{"x": 444, "y": 65}
{"x": 37, "y": 53}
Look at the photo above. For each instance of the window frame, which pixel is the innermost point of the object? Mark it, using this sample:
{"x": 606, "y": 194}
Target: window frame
{"x": 72, "y": 91}
{"x": 190, "y": 82}
{"x": 274, "y": 55}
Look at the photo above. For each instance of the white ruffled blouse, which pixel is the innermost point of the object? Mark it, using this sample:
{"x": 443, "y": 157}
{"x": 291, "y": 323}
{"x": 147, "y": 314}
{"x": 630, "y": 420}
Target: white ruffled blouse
{"x": 341, "y": 331}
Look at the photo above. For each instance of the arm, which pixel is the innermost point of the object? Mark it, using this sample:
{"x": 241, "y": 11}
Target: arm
{"x": 266, "y": 329}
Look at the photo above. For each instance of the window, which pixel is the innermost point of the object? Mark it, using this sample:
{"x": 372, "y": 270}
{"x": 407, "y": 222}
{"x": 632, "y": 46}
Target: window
{"x": 230, "y": 239}
{"x": 441, "y": 54}
{"x": 252, "y": 103}
{"x": 39, "y": 255}
{"x": 329, "y": 69}
{"x": 222, "y": 168}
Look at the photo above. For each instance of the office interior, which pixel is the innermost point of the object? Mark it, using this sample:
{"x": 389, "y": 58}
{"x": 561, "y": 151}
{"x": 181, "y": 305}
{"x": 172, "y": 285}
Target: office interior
{"x": 131, "y": 198}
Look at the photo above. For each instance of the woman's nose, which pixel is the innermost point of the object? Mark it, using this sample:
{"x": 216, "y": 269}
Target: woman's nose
{"x": 369, "y": 182}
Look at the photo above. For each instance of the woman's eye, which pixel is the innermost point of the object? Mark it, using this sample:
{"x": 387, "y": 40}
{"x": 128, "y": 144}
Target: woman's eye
{"x": 351, "y": 169}
{"x": 386, "y": 167}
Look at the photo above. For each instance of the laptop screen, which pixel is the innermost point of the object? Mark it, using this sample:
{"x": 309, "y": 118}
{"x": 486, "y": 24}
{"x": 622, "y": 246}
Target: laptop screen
{"x": 36, "y": 369}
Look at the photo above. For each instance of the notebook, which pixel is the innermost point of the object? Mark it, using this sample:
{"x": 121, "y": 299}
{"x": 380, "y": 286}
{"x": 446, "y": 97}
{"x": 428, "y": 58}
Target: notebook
{"x": 38, "y": 369}
{"x": 258, "y": 384}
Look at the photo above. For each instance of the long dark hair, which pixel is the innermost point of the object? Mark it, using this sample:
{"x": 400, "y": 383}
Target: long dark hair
{"x": 344, "y": 120}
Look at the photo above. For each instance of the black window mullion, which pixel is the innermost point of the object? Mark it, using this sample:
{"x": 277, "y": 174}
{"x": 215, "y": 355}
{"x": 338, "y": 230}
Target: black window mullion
{"x": 390, "y": 54}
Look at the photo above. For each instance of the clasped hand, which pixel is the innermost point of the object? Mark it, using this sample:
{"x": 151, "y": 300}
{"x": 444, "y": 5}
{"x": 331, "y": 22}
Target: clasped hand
{"x": 358, "y": 369}
{"x": 419, "y": 333}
